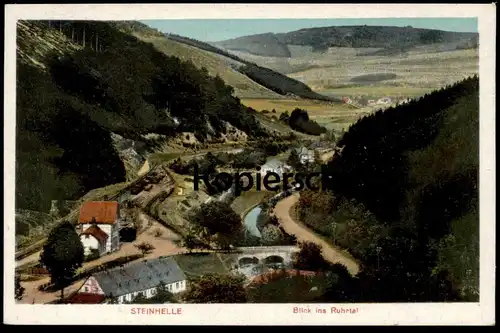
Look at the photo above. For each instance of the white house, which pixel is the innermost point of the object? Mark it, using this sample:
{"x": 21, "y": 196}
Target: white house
{"x": 305, "y": 155}
{"x": 274, "y": 166}
{"x": 99, "y": 224}
{"x": 126, "y": 282}
{"x": 384, "y": 100}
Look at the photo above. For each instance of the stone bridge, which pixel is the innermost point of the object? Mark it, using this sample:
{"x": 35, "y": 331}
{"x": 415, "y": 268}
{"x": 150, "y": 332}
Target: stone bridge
{"x": 265, "y": 255}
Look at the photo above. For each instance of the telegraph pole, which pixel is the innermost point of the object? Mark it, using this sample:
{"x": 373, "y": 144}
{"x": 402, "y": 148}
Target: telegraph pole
{"x": 378, "y": 257}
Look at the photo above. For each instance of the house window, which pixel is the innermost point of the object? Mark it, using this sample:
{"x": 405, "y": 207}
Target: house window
{"x": 86, "y": 289}
{"x": 177, "y": 285}
{"x": 86, "y": 236}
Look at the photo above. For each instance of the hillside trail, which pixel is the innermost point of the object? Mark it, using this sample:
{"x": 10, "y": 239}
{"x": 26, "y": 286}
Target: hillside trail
{"x": 292, "y": 227}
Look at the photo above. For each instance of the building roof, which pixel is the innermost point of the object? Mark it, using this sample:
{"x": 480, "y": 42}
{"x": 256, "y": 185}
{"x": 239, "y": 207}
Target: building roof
{"x": 104, "y": 212}
{"x": 139, "y": 276}
{"x": 86, "y": 298}
{"x": 303, "y": 151}
{"x": 97, "y": 232}
{"x": 273, "y": 164}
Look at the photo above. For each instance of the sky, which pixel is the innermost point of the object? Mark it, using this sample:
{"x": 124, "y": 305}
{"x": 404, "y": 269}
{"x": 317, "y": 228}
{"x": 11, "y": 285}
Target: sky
{"x": 212, "y": 30}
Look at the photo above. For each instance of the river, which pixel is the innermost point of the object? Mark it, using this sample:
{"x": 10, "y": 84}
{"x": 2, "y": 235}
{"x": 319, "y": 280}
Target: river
{"x": 250, "y": 221}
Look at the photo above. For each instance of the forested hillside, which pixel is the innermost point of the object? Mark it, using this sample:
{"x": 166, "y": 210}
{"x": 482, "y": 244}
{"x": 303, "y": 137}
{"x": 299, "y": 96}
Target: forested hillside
{"x": 266, "y": 77}
{"x": 276, "y": 45}
{"x": 403, "y": 198}
{"x": 80, "y": 81}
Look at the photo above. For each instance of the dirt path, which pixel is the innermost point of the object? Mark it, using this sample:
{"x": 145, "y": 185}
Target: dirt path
{"x": 29, "y": 259}
{"x": 144, "y": 169}
{"x": 327, "y": 156}
{"x": 332, "y": 254}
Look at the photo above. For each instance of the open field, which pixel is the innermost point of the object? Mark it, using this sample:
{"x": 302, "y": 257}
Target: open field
{"x": 411, "y": 74}
{"x": 196, "y": 264}
{"x": 283, "y": 105}
{"x": 334, "y": 116}
{"x": 377, "y": 90}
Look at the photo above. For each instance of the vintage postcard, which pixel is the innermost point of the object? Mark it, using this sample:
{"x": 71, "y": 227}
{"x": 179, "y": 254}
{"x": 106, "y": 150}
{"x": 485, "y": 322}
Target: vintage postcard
{"x": 249, "y": 164}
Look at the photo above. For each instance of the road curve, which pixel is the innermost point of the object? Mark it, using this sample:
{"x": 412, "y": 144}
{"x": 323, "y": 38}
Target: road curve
{"x": 292, "y": 227}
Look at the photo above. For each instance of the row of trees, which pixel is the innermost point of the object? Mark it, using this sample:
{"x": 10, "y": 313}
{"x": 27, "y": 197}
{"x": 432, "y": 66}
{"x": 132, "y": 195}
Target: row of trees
{"x": 76, "y": 30}
{"x": 299, "y": 121}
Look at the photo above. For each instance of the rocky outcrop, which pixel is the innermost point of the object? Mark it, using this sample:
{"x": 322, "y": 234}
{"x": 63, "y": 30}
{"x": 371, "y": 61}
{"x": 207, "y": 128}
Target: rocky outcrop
{"x": 132, "y": 160}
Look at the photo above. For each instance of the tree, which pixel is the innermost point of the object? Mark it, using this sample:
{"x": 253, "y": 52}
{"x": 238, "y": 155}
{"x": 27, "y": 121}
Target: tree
{"x": 216, "y": 288}
{"x": 309, "y": 257}
{"x": 189, "y": 242}
{"x": 145, "y": 248}
{"x": 19, "y": 290}
{"x": 272, "y": 235}
{"x": 294, "y": 160}
{"x": 162, "y": 295}
{"x": 339, "y": 285}
{"x": 111, "y": 299}
{"x": 284, "y": 117}
{"x": 218, "y": 217}
{"x": 282, "y": 287}
{"x": 139, "y": 299}
{"x": 62, "y": 254}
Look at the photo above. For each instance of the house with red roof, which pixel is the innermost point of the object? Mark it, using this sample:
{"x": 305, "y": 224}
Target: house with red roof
{"x": 99, "y": 222}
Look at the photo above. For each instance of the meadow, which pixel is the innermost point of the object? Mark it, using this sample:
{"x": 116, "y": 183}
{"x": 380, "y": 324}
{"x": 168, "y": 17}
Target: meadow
{"x": 412, "y": 73}
{"x": 334, "y": 116}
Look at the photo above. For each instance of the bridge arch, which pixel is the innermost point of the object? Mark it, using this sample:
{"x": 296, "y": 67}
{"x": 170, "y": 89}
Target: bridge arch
{"x": 246, "y": 261}
{"x": 273, "y": 259}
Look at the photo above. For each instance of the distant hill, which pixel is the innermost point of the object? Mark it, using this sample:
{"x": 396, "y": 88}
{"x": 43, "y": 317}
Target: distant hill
{"x": 320, "y": 39}
{"x": 268, "y": 44}
{"x": 272, "y": 80}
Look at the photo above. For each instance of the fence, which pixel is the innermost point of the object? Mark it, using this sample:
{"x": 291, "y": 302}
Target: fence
{"x": 37, "y": 271}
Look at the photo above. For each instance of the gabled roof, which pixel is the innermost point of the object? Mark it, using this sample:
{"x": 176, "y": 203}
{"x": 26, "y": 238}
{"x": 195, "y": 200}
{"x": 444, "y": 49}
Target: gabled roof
{"x": 104, "y": 212}
{"x": 139, "y": 276}
{"x": 97, "y": 232}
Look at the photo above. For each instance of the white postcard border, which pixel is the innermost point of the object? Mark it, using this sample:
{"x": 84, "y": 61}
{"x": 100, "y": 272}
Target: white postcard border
{"x": 262, "y": 314}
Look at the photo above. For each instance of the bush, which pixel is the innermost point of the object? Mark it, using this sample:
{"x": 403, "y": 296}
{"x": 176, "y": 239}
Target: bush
{"x": 145, "y": 248}
{"x": 93, "y": 255}
{"x": 158, "y": 233}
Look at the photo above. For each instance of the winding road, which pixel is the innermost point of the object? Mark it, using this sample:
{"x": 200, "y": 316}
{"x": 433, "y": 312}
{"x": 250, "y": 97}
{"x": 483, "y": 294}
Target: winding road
{"x": 292, "y": 227}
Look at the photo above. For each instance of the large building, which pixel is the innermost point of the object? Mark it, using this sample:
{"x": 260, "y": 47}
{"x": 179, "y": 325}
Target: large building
{"x": 305, "y": 155}
{"x": 126, "y": 282}
{"x": 274, "y": 166}
{"x": 99, "y": 225}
